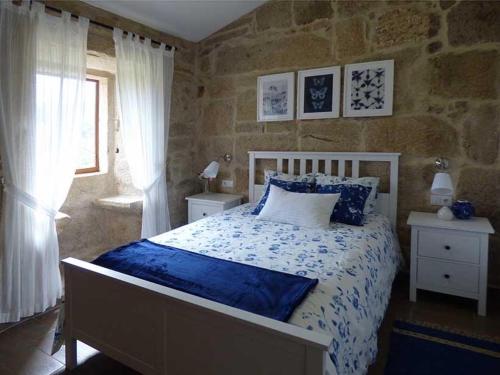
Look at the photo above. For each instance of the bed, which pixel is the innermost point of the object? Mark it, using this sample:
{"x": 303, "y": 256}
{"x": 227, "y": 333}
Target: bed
{"x": 158, "y": 330}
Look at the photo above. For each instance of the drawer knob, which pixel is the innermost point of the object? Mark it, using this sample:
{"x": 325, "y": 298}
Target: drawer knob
{"x": 446, "y": 276}
{"x": 447, "y": 247}
{"x": 204, "y": 214}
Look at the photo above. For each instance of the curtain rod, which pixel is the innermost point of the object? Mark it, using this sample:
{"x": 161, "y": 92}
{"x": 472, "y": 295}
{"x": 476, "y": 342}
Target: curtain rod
{"x": 103, "y": 25}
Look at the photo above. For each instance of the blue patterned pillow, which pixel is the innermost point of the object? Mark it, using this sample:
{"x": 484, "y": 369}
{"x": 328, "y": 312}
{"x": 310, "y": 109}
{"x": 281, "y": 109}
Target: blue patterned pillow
{"x": 293, "y": 186}
{"x": 268, "y": 174}
{"x": 373, "y": 182}
{"x": 350, "y": 206}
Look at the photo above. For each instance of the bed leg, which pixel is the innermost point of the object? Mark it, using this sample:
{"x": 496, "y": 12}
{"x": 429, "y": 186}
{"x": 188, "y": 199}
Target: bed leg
{"x": 71, "y": 355}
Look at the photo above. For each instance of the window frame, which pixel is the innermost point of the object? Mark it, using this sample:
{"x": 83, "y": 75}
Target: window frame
{"x": 95, "y": 168}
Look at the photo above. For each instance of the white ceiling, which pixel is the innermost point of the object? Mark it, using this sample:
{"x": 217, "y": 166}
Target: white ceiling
{"x": 193, "y": 20}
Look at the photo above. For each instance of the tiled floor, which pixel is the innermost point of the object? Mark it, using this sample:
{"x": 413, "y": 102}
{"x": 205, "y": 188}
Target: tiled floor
{"x": 25, "y": 349}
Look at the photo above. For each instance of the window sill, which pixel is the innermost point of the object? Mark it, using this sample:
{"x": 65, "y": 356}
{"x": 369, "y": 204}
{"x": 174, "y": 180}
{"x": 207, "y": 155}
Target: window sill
{"x": 124, "y": 203}
{"x": 91, "y": 174}
{"x": 62, "y": 220}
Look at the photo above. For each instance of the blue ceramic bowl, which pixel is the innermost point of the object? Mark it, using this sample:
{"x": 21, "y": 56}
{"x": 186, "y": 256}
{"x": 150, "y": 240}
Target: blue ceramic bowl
{"x": 463, "y": 210}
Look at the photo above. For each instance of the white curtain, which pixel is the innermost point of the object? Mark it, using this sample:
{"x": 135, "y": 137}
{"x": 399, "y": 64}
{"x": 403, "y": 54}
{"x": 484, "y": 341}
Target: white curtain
{"x": 42, "y": 73}
{"x": 144, "y": 85}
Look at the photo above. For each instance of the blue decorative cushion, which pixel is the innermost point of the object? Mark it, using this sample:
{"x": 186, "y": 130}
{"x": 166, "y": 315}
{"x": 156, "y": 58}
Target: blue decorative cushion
{"x": 350, "y": 206}
{"x": 373, "y": 182}
{"x": 293, "y": 186}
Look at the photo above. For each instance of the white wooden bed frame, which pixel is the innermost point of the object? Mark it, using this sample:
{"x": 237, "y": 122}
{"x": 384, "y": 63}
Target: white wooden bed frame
{"x": 158, "y": 330}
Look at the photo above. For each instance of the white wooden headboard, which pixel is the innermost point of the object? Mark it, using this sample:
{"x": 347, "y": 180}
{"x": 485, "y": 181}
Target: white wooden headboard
{"x": 386, "y": 202}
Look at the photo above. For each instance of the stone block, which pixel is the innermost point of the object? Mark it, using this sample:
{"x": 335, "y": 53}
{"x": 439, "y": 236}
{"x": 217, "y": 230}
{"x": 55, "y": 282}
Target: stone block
{"x": 305, "y": 12}
{"x": 221, "y": 37}
{"x": 434, "y": 47}
{"x": 245, "y": 81}
{"x": 274, "y": 15}
{"x": 472, "y": 74}
{"x": 244, "y": 21}
{"x": 289, "y": 127}
{"x": 481, "y": 134}
{"x": 331, "y": 135}
{"x": 246, "y": 106}
{"x": 404, "y": 25}
{"x": 181, "y": 129}
{"x": 218, "y": 117}
{"x": 415, "y": 182}
{"x": 350, "y": 37}
{"x": 446, "y": 4}
{"x": 249, "y": 127}
{"x": 350, "y": 8}
{"x": 262, "y": 142}
{"x": 205, "y": 64}
{"x": 472, "y": 22}
{"x": 265, "y": 55}
{"x": 100, "y": 40}
{"x": 221, "y": 88}
{"x": 377, "y": 169}
{"x": 481, "y": 186}
{"x": 183, "y": 96}
{"x": 185, "y": 60}
{"x": 413, "y": 136}
{"x": 241, "y": 181}
{"x": 212, "y": 148}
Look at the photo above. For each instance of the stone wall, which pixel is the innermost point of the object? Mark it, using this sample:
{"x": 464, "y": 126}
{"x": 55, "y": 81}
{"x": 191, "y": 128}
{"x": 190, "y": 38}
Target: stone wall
{"x": 446, "y": 95}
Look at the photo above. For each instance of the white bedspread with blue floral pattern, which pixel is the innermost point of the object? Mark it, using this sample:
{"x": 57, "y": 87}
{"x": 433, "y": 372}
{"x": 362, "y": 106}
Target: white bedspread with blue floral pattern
{"x": 355, "y": 267}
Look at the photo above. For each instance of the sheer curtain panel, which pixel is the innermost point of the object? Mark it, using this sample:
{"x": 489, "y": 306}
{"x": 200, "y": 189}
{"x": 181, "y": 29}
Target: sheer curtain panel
{"x": 144, "y": 85}
{"x": 42, "y": 74}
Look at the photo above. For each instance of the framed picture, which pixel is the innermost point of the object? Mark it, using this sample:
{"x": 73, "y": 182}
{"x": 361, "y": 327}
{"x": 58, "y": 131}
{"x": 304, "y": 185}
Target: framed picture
{"x": 368, "y": 89}
{"x": 275, "y": 94}
{"x": 318, "y": 93}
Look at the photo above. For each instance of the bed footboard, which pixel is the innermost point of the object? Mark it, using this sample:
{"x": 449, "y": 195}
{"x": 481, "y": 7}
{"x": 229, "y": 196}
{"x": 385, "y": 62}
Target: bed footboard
{"x": 158, "y": 330}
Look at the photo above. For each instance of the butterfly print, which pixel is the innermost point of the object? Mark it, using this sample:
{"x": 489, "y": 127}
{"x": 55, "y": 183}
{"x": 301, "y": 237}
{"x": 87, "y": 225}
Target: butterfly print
{"x": 368, "y": 89}
{"x": 318, "y": 93}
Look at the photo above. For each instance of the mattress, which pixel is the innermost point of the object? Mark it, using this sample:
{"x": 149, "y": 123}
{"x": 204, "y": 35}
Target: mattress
{"x": 355, "y": 267}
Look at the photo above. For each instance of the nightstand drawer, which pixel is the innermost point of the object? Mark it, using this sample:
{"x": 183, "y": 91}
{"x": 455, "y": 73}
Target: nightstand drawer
{"x": 199, "y": 211}
{"x": 447, "y": 277}
{"x": 447, "y": 245}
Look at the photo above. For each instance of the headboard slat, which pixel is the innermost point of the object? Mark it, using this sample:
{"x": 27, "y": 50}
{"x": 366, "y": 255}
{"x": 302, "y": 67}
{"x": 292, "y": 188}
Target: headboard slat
{"x": 315, "y": 166}
{"x": 387, "y": 202}
{"x": 355, "y": 168}
{"x": 302, "y": 166}
{"x": 341, "y": 167}
{"x": 279, "y": 165}
{"x": 328, "y": 166}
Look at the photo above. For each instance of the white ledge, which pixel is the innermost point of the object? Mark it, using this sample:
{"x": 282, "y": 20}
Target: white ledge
{"x": 120, "y": 202}
{"x": 62, "y": 220}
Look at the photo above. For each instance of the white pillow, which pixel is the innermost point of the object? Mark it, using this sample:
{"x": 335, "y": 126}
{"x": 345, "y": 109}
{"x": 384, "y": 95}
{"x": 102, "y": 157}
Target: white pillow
{"x": 303, "y": 209}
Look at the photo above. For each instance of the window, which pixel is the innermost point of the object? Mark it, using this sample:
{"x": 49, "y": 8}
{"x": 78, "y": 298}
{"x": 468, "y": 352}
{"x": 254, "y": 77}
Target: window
{"x": 88, "y": 154}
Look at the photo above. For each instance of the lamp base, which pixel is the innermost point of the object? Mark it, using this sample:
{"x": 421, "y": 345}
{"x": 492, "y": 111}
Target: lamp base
{"x": 445, "y": 213}
{"x": 206, "y": 187}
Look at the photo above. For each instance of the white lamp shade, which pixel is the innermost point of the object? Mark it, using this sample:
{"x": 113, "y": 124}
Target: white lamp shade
{"x": 442, "y": 184}
{"x": 211, "y": 170}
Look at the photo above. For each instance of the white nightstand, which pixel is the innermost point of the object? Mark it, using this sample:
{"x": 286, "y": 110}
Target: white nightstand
{"x": 206, "y": 204}
{"x": 450, "y": 256}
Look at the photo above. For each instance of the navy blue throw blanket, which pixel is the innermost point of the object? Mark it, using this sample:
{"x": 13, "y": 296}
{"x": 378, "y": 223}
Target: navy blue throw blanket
{"x": 258, "y": 290}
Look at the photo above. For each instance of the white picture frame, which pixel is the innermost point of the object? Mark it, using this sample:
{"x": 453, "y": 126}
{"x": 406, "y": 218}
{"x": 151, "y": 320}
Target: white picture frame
{"x": 322, "y": 101}
{"x": 275, "y": 97}
{"x": 355, "y": 105}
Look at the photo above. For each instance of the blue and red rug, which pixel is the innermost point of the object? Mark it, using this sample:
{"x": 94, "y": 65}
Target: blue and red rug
{"x": 417, "y": 349}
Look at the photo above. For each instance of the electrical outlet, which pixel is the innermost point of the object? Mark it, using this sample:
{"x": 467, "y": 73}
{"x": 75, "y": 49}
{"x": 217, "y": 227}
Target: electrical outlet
{"x": 227, "y": 183}
{"x": 441, "y": 200}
